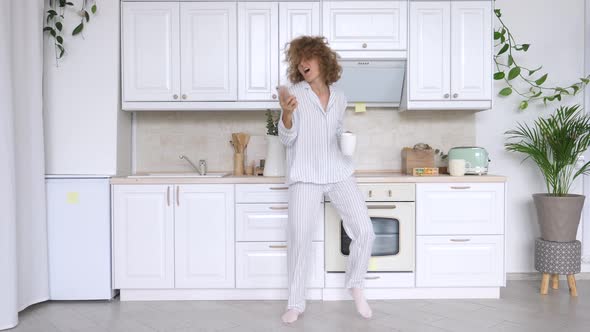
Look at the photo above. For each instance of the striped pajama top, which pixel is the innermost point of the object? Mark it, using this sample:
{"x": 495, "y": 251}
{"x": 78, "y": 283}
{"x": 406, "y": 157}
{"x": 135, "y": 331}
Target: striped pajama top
{"x": 312, "y": 142}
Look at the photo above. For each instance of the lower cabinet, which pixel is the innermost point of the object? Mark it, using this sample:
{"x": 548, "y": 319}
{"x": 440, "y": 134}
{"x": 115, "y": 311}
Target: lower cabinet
{"x": 173, "y": 236}
{"x": 264, "y": 265}
{"x": 460, "y": 261}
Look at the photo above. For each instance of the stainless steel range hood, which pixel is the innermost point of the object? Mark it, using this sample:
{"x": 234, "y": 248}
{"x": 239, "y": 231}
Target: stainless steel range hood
{"x": 377, "y": 82}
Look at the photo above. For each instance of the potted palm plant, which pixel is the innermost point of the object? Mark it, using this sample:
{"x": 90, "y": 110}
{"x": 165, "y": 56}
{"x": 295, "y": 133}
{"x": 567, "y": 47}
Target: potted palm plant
{"x": 554, "y": 144}
{"x": 274, "y": 164}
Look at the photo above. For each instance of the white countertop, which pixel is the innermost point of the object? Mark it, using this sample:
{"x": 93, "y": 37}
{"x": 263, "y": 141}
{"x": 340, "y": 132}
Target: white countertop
{"x": 362, "y": 177}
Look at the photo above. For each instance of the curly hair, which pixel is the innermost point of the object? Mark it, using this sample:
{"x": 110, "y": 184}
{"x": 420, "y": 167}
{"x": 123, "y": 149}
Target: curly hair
{"x": 307, "y": 47}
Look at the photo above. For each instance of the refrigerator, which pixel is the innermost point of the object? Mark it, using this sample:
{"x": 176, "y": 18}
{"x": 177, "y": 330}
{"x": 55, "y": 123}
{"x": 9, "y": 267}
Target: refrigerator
{"x": 79, "y": 237}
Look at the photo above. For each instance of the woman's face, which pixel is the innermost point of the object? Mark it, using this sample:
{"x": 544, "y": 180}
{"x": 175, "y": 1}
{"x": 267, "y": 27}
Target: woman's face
{"x": 310, "y": 69}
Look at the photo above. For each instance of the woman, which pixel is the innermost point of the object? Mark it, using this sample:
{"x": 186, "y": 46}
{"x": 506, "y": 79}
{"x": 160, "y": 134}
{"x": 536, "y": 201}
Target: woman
{"x": 310, "y": 127}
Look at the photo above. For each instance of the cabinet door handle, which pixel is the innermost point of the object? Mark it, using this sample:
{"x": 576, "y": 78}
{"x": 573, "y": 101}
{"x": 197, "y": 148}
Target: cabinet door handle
{"x": 372, "y": 278}
{"x": 278, "y": 207}
{"x": 274, "y": 96}
{"x": 393, "y": 206}
{"x": 177, "y": 196}
{"x": 455, "y": 95}
{"x": 183, "y": 96}
{"x": 275, "y": 246}
{"x": 447, "y": 95}
{"x": 460, "y": 187}
{"x": 175, "y": 96}
{"x": 460, "y": 240}
{"x": 279, "y": 188}
{"x": 168, "y": 196}
{"x": 364, "y": 45}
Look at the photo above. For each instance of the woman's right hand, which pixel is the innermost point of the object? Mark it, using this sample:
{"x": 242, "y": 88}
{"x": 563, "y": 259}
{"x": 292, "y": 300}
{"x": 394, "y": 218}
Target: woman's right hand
{"x": 287, "y": 101}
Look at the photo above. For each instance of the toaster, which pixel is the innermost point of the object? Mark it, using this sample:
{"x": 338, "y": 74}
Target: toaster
{"x": 476, "y": 158}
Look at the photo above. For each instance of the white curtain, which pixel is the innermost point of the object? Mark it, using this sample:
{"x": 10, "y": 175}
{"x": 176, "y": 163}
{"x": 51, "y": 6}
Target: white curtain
{"x": 23, "y": 228}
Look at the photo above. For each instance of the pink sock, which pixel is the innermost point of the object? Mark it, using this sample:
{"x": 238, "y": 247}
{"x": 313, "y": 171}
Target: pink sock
{"x": 290, "y": 316}
{"x": 361, "y": 303}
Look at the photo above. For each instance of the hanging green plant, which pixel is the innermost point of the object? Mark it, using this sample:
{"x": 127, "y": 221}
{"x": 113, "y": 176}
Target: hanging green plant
{"x": 508, "y": 70}
{"x": 55, "y": 21}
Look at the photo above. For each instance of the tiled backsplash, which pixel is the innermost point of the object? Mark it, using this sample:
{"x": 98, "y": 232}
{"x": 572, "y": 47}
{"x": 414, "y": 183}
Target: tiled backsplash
{"x": 381, "y": 134}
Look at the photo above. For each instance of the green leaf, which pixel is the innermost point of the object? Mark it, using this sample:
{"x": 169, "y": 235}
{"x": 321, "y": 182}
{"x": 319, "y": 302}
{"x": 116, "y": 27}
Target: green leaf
{"x": 541, "y": 80}
{"x": 52, "y": 12}
{"x": 52, "y": 32}
{"x": 502, "y": 39}
{"x": 498, "y": 12}
{"x": 62, "y": 3}
{"x": 576, "y": 88}
{"x": 510, "y": 60}
{"x": 504, "y": 49}
{"x": 585, "y": 80}
{"x": 60, "y": 39}
{"x": 69, "y": 4}
{"x": 47, "y": 29}
{"x": 497, "y": 35}
{"x": 499, "y": 75}
{"x": 523, "y": 105}
{"x": 525, "y": 47}
{"x": 537, "y": 94}
{"x": 531, "y": 72}
{"x": 62, "y": 50}
{"x": 93, "y": 9}
{"x": 58, "y": 25}
{"x": 558, "y": 97}
{"x": 506, "y": 91}
{"x": 78, "y": 29}
{"x": 514, "y": 72}
{"x": 87, "y": 16}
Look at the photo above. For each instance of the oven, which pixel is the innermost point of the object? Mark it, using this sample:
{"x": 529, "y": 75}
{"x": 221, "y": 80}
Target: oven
{"x": 392, "y": 213}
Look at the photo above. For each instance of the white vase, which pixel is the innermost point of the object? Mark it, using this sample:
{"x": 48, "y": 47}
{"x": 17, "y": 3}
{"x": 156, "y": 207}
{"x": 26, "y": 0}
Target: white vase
{"x": 274, "y": 164}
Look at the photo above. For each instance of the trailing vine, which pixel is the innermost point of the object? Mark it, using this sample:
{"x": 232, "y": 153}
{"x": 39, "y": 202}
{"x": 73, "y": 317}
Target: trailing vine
{"x": 55, "y": 21}
{"x": 508, "y": 70}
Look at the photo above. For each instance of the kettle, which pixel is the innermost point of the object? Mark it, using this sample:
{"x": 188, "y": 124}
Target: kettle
{"x": 476, "y": 158}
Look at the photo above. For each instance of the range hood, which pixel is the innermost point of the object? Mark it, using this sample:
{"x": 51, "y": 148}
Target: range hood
{"x": 376, "y": 82}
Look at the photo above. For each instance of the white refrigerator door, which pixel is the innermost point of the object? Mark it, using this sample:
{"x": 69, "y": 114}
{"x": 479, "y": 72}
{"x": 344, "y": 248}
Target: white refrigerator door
{"x": 79, "y": 238}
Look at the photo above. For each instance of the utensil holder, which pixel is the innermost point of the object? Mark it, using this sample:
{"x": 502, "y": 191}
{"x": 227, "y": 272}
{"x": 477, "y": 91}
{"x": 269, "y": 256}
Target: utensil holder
{"x": 238, "y": 163}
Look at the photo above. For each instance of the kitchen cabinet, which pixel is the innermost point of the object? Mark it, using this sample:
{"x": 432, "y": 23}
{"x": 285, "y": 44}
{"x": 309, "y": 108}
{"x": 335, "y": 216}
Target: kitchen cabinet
{"x": 264, "y": 265}
{"x": 450, "y": 55}
{"x": 261, "y": 235}
{"x": 150, "y": 51}
{"x": 179, "y": 51}
{"x": 143, "y": 236}
{"x": 208, "y": 32}
{"x": 460, "y": 228}
{"x": 460, "y": 261}
{"x": 295, "y": 19}
{"x": 365, "y": 25}
{"x": 460, "y": 208}
{"x": 173, "y": 236}
{"x": 258, "y": 50}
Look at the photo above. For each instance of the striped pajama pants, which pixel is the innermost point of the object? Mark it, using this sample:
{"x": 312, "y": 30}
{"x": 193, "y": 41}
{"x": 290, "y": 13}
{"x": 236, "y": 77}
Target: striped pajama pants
{"x": 304, "y": 210}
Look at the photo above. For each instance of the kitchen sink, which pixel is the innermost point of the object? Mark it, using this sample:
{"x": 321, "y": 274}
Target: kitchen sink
{"x": 181, "y": 175}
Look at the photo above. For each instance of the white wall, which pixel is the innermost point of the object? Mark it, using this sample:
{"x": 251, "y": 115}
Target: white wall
{"x": 555, "y": 30}
{"x": 85, "y": 130}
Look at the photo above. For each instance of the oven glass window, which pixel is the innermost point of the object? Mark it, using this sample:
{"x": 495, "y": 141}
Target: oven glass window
{"x": 386, "y": 237}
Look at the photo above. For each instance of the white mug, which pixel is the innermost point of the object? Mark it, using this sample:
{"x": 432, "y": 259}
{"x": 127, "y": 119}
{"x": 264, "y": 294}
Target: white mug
{"x": 347, "y": 143}
{"x": 457, "y": 167}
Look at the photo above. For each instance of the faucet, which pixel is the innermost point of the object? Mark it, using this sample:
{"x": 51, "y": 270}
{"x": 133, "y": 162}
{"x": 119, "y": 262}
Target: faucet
{"x": 202, "y": 169}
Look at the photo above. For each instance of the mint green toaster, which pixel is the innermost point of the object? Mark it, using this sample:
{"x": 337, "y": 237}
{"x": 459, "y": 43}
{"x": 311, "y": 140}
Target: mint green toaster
{"x": 476, "y": 158}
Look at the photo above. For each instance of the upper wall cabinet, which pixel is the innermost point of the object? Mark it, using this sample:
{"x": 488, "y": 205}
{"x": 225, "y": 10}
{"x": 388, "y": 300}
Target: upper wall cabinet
{"x": 296, "y": 19}
{"x": 365, "y": 25}
{"x": 258, "y": 50}
{"x": 151, "y": 51}
{"x": 178, "y": 52}
{"x": 208, "y": 51}
{"x": 450, "y": 55}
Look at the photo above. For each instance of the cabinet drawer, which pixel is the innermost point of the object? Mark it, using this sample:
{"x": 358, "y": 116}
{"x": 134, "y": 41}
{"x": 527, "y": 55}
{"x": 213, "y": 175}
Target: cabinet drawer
{"x": 268, "y": 222}
{"x": 262, "y": 193}
{"x": 459, "y": 208}
{"x": 460, "y": 261}
{"x": 365, "y": 25}
{"x": 264, "y": 265}
{"x": 374, "y": 280}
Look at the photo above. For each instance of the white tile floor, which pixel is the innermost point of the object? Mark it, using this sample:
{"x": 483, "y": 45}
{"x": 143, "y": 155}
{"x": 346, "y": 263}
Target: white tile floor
{"x": 521, "y": 309}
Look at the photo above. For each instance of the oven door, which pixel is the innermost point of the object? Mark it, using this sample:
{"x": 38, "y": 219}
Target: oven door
{"x": 393, "y": 249}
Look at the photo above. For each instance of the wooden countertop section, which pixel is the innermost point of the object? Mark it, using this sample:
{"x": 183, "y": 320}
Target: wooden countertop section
{"x": 362, "y": 177}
